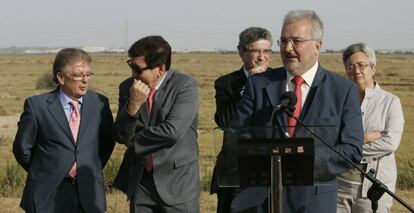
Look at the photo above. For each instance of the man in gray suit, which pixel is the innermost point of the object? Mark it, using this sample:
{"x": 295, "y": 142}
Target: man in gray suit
{"x": 157, "y": 121}
{"x": 64, "y": 140}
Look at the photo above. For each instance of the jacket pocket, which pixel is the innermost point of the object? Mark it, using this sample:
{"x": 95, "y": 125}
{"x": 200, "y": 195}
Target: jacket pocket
{"x": 325, "y": 121}
{"x": 193, "y": 156}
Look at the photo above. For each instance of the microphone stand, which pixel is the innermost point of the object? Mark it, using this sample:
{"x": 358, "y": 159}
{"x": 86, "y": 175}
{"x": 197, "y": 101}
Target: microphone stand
{"x": 376, "y": 190}
{"x": 276, "y": 187}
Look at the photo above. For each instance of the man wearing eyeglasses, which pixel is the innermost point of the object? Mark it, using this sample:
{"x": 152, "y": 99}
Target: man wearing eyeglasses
{"x": 383, "y": 122}
{"x": 254, "y": 50}
{"x": 64, "y": 140}
{"x": 157, "y": 121}
{"x": 324, "y": 99}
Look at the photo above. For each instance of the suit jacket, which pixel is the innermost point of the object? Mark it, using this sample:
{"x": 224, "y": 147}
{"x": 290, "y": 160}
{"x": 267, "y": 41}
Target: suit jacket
{"x": 382, "y": 112}
{"x": 331, "y": 100}
{"x": 45, "y": 148}
{"x": 170, "y": 135}
{"x": 228, "y": 94}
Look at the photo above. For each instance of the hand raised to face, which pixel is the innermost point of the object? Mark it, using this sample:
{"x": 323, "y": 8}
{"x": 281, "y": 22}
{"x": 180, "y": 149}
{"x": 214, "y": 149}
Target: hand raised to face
{"x": 258, "y": 69}
{"x": 138, "y": 94}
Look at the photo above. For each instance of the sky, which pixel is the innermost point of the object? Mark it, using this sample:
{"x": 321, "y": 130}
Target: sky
{"x": 195, "y": 24}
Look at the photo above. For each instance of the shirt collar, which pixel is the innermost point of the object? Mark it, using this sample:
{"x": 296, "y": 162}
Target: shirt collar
{"x": 308, "y": 75}
{"x": 369, "y": 92}
{"x": 64, "y": 99}
{"x": 160, "y": 82}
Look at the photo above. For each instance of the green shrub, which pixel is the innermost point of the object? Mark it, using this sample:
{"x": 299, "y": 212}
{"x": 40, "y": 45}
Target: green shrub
{"x": 45, "y": 81}
{"x": 405, "y": 178}
{"x": 12, "y": 180}
{"x": 110, "y": 171}
{"x": 206, "y": 180}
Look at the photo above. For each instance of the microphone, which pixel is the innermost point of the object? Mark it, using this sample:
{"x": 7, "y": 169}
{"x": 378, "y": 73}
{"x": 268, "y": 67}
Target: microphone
{"x": 287, "y": 104}
{"x": 288, "y": 101}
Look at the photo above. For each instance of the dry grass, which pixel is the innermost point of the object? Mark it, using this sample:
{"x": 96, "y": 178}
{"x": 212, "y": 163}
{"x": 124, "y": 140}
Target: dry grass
{"x": 117, "y": 203}
{"x": 21, "y": 72}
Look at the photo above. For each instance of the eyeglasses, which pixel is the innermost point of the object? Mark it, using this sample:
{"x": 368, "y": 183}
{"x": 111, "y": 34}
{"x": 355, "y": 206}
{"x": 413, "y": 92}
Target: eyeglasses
{"x": 81, "y": 76}
{"x": 361, "y": 66}
{"x": 294, "y": 41}
{"x": 259, "y": 51}
{"x": 136, "y": 68}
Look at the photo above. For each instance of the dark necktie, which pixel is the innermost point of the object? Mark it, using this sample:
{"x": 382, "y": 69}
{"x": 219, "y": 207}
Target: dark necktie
{"x": 148, "y": 159}
{"x": 298, "y": 81}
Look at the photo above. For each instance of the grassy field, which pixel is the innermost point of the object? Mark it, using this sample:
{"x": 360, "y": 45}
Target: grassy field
{"x": 22, "y": 75}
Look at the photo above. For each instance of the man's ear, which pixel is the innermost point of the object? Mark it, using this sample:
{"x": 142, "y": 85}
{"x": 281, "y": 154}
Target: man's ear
{"x": 60, "y": 78}
{"x": 241, "y": 53}
{"x": 374, "y": 69}
{"x": 318, "y": 45}
{"x": 162, "y": 67}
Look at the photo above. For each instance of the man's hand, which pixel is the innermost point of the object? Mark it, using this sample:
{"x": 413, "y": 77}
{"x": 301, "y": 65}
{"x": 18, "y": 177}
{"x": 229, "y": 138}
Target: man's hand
{"x": 138, "y": 94}
{"x": 258, "y": 69}
{"x": 372, "y": 136}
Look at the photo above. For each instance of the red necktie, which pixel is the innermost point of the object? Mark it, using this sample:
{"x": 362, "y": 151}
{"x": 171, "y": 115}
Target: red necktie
{"x": 298, "y": 81}
{"x": 74, "y": 122}
{"x": 148, "y": 160}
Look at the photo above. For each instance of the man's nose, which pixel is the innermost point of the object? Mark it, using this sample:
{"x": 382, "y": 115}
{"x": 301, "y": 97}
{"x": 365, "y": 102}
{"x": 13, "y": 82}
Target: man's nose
{"x": 288, "y": 47}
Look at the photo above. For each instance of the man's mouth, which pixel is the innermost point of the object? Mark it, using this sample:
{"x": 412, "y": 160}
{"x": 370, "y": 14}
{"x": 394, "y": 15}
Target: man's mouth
{"x": 289, "y": 56}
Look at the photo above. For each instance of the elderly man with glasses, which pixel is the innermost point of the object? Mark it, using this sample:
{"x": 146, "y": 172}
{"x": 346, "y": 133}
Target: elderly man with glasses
{"x": 254, "y": 50}
{"x": 324, "y": 100}
{"x": 64, "y": 140}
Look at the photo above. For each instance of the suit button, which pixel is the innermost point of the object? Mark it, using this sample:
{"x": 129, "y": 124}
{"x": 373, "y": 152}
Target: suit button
{"x": 77, "y": 152}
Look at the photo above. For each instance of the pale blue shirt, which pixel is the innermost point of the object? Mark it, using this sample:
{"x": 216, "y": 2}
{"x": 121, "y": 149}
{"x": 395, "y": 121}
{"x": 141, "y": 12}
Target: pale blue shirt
{"x": 65, "y": 101}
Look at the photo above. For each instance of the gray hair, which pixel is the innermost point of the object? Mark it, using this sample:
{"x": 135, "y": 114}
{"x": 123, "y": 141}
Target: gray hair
{"x": 359, "y": 47}
{"x": 252, "y": 34}
{"x": 67, "y": 56}
{"x": 298, "y": 15}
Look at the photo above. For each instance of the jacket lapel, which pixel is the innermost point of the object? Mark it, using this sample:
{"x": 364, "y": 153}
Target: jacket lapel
{"x": 273, "y": 90}
{"x": 159, "y": 97}
{"x": 87, "y": 112}
{"x": 238, "y": 83}
{"x": 143, "y": 114}
{"x": 313, "y": 93}
{"x": 56, "y": 110}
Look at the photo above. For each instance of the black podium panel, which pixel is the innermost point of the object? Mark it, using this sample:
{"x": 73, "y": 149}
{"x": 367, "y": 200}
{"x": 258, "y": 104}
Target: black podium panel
{"x": 244, "y": 155}
{"x": 254, "y": 161}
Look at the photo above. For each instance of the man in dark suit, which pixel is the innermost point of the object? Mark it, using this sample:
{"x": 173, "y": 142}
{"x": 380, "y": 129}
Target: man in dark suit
{"x": 254, "y": 50}
{"x": 324, "y": 99}
{"x": 64, "y": 140}
{"x": 157, "y": 121}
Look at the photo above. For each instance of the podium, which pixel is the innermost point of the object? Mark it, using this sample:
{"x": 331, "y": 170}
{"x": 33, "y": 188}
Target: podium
{"x": 264, "y": 156}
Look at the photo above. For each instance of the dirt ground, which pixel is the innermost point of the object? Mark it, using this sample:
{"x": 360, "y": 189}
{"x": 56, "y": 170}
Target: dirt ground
{"x": 8, "y": 125}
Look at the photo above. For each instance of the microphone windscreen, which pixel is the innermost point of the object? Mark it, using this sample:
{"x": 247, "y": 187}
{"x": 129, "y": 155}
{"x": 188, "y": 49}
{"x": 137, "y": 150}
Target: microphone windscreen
{"x": 288, "y": 99}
